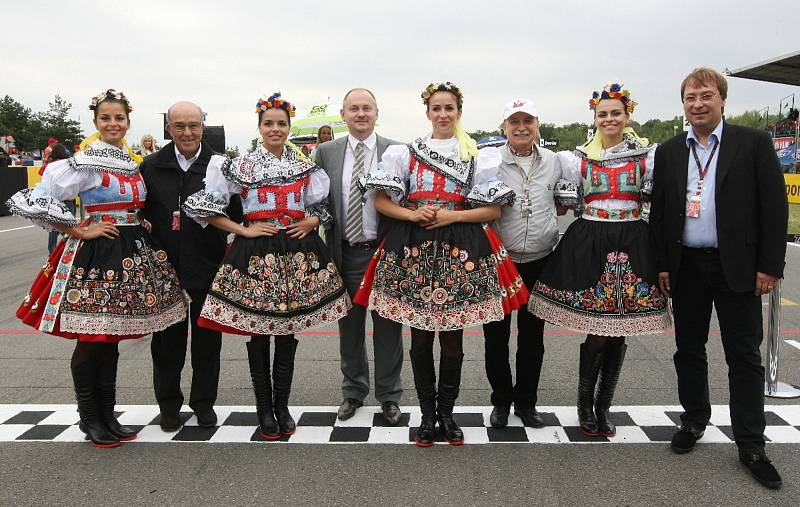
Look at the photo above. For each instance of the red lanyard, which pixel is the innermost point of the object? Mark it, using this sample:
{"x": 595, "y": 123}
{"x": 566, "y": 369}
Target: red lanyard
{"x": 701, "y": 171}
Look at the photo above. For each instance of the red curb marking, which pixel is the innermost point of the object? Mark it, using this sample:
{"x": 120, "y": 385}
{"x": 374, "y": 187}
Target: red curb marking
{"x": 553, "y": 332}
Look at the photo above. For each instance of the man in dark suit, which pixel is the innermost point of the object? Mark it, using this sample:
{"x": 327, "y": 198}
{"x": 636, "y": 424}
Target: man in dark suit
{"x": 352, "y": 241}
{"x": 171, "y": 175}
{"x": 718, "y": 218}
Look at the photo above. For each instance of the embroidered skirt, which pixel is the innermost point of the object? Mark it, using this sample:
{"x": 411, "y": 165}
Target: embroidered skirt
{"x": 442, "y": 279}
{"x": 601, "y": 279}
{"x": 275, "y": 285}
{"x": 105, "y": 290}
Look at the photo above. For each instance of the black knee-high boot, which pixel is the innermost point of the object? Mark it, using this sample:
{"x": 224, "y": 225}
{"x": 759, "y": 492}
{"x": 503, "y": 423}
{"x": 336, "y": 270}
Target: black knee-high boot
{"x": 282, "y": 373}
{"x": 425, "y": 382}
{"x": 589, "y": 367}
{"x": 84, "y": 372}
{"x": 449, "y": 384}
{"x": 258, "y": 357}
{"x": 613, "y": 357}
{"x": 106, "y": 390}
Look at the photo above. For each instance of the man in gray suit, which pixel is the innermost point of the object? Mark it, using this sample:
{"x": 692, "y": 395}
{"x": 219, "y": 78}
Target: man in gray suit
{"x": 352, "y": 241}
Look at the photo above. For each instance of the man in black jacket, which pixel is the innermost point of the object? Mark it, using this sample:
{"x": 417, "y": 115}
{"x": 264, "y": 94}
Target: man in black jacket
{"x": 171, "y": 175}
{"x": 718, "y": 218}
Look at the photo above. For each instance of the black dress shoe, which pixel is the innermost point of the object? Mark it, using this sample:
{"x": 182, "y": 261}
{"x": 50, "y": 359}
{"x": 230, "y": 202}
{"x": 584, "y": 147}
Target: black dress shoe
{"x": 348, "y": 408}
{"x": 206, "y": 417}
{"x": 170, "y": 421}
{"x": 530, "y": 417}
{"x": 684, "y": 439}
{"x": 761, "y": 468}
{"x": 499, "y": 416}
{"x": 391, "y": 412}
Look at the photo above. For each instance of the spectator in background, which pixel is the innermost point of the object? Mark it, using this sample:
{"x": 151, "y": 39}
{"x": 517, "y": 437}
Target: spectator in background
{"x": 46, "y": 153}
{"x": 147, "y": 145}
{"x": 324, "y": 134}
{"x": 57, "y": 152}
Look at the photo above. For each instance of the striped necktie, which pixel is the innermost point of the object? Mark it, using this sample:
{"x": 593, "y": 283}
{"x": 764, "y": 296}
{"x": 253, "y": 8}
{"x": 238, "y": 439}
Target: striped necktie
{"x": 354, "y": 232}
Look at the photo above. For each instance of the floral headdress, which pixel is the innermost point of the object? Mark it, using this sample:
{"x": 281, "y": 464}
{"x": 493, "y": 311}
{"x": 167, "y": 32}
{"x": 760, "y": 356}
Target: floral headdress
{"x": 275, "y": 101}
{"x": 613, "y": 91}
{"x": 110, "y": 94}
{"x": 446, "y": 86}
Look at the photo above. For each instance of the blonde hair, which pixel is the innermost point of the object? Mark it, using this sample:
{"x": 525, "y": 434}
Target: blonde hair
{"x": 153, "y": 147}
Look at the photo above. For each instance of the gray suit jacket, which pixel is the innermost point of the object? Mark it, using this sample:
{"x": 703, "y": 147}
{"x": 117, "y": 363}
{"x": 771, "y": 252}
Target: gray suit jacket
{"x": 330, "y": 156}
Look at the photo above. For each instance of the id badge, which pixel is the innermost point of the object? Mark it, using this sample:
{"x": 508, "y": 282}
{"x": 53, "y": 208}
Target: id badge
{"x": 526, "y": 207}
{"x": 693, "y": 207}
{"x": 176, "y": 220}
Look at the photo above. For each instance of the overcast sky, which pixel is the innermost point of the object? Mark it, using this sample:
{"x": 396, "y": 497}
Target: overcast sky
{"x": 225, "y": 54}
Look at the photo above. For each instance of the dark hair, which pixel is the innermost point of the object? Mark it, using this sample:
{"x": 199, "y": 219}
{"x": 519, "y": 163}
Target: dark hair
{"x": 58, "y": 152}
{"x": 288, "y": 116}
{"x": 124, "y": 103}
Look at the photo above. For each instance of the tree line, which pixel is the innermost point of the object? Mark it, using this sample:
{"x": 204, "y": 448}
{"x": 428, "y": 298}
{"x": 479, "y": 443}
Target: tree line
{"x": 31, "y": 130}
{"x": 657, "y": 131}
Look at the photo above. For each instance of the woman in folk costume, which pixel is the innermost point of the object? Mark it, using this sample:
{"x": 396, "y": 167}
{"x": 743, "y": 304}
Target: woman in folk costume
{"x": 277, "y": 279}
{"x": 440, "y": 269}
{"x": 107, "y": 281}
{"x": 601, "y": 278}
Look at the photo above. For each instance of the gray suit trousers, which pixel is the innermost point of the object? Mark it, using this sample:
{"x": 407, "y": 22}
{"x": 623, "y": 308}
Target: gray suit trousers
{"x": 387, "y": 339}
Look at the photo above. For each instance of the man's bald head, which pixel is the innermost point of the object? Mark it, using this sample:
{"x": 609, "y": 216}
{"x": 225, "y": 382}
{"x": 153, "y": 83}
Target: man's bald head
{"x": 183, "y": 107}
{"x": 185, "y": 125}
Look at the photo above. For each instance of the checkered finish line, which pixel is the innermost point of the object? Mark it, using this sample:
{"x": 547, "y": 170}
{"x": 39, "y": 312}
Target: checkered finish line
{"x": 318, "y": 425}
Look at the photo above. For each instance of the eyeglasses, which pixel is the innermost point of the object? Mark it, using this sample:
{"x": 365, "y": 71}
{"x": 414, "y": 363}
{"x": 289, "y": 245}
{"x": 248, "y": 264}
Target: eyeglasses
{"x": 704, "y": 98}
{"x": 193, "y": 127}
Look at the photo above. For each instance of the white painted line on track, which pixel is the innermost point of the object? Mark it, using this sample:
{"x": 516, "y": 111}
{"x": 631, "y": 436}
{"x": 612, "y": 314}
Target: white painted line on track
{"x": 793, "y": 343}
{"x": 18, "y": 228}
{"x": 796, "y": 245}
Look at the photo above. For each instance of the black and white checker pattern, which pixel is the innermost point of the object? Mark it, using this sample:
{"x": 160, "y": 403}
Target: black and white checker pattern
{"x": 318, "y": 425}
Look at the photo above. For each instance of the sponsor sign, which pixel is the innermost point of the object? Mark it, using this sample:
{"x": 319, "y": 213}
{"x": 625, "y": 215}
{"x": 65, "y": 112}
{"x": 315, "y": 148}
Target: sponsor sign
{"x": 792, "y": 188}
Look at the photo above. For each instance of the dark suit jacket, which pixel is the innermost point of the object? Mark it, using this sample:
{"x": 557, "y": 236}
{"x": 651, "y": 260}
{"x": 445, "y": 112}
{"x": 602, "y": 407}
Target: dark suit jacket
{"x": 752, "y": 210}
{"x": 330, "y": 156}
{"x": 196, "y": 252}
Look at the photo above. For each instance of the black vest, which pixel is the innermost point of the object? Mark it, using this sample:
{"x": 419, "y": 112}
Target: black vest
{"x": 196, "y": 252}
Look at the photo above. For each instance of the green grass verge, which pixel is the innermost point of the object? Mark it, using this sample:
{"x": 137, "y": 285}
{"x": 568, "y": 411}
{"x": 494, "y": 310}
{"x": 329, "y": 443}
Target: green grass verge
{"x": 794, "y": 219}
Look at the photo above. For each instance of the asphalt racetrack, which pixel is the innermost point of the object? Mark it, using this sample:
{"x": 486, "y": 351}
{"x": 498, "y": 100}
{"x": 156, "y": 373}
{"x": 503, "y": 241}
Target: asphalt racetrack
{"x": 44, "y": 461}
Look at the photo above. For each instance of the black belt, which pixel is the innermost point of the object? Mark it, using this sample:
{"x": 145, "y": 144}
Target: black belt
{"x": 372, "y": 244}
{"x": 702, "y": 249}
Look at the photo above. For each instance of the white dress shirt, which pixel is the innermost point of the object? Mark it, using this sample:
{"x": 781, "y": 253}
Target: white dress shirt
{"x": 369, "y": 214}
{"x": 184, "y": 162}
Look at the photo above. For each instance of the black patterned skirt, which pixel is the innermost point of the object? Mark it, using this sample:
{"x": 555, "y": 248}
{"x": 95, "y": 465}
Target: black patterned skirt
{"x": 275, "y": 285}
{"x": 601, "y": 279}
{"x": 446, "y": 278}
{"x": 105, "y": 290}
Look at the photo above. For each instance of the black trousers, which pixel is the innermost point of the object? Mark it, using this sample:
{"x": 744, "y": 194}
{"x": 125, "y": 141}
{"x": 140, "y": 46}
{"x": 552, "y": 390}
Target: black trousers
{"x": 701, "y": 284}
{"x": 168, "y": 349}
{"x": 530, "y": 350}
